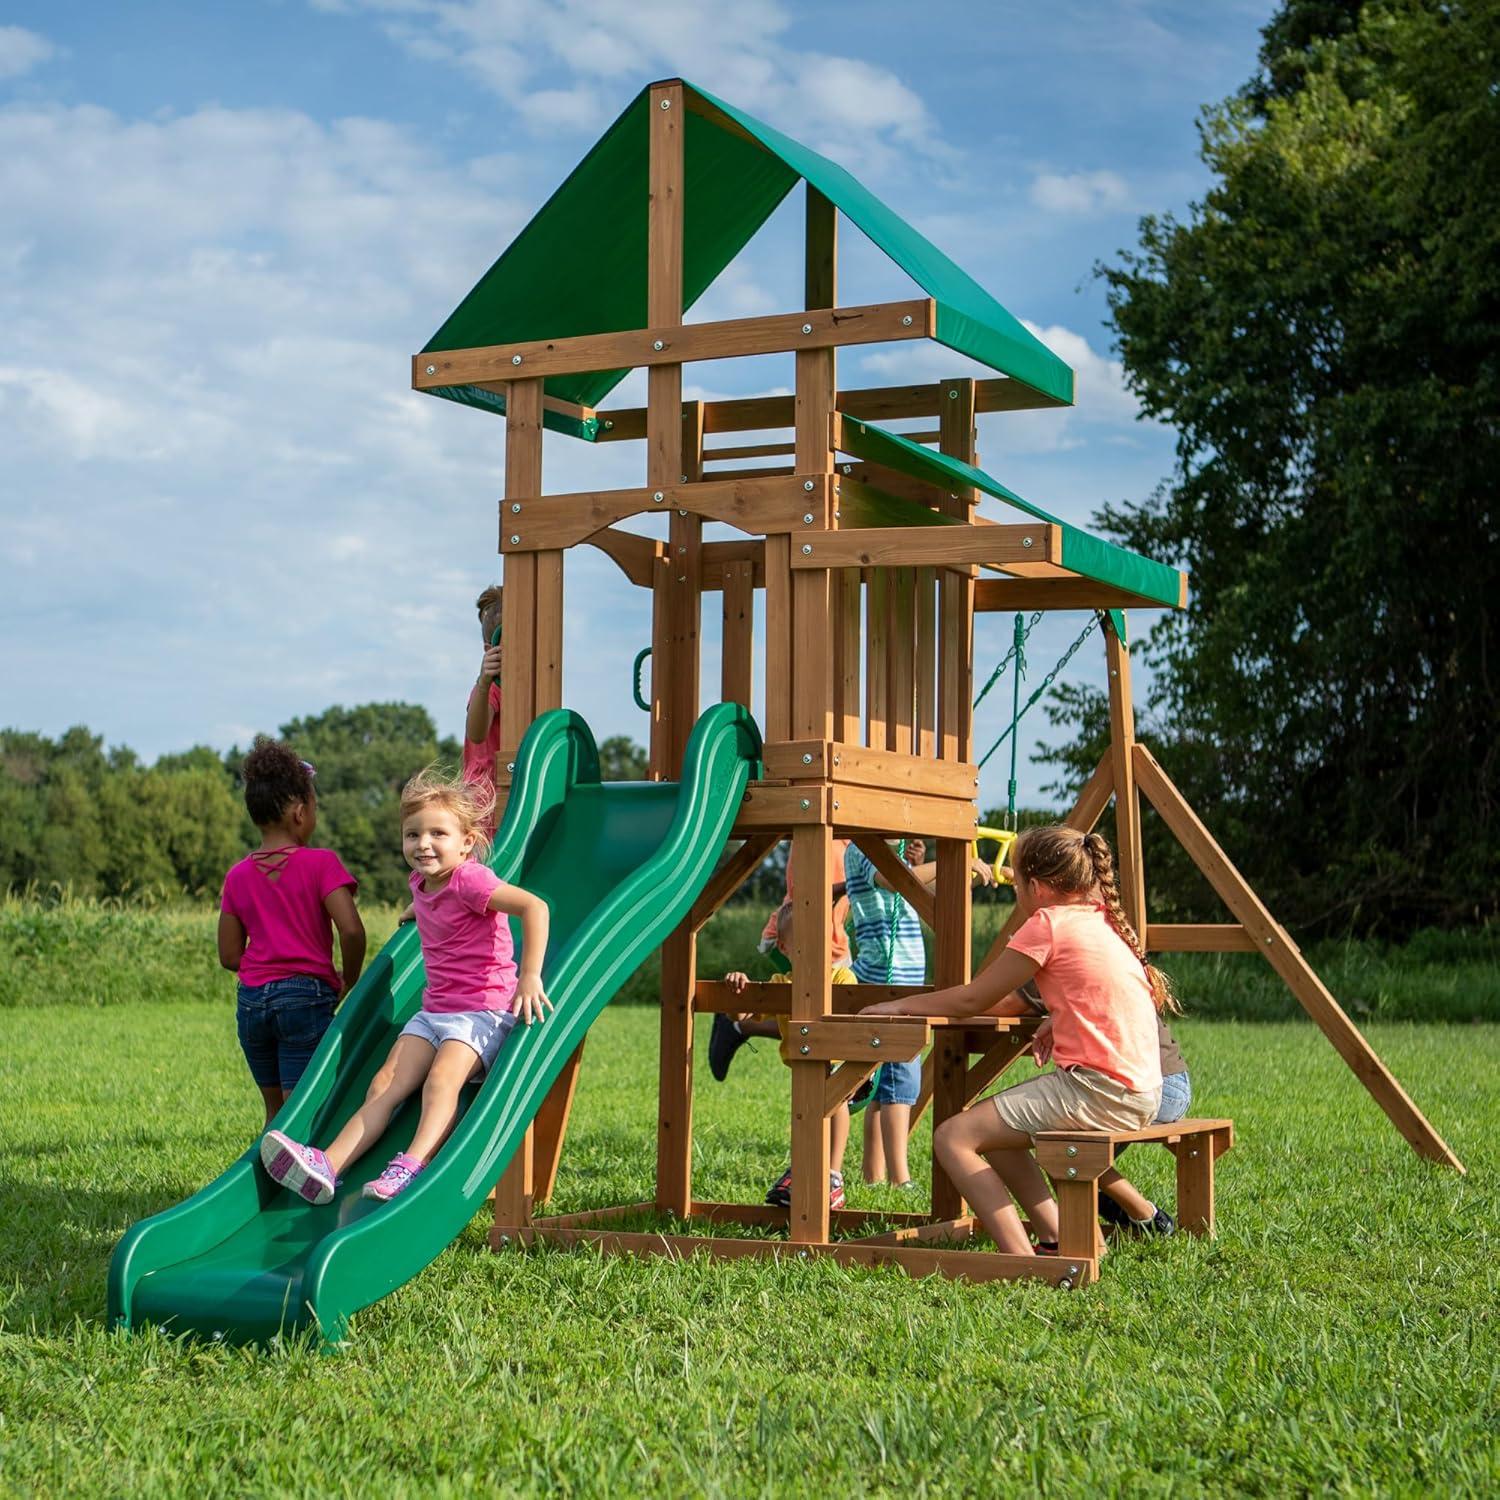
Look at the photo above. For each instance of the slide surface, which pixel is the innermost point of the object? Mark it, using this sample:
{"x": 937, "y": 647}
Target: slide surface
{"x": 619, "y": 864}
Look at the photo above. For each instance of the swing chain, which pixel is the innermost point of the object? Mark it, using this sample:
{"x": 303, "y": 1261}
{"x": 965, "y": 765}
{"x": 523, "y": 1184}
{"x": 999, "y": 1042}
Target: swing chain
{"x": 1009, "y": 657}
{"x": 1045, "y": 683}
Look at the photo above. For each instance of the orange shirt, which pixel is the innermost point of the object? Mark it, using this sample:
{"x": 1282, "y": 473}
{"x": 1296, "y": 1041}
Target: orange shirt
{"x": 839, "y": 919}
{"x": 1096, "y": 991}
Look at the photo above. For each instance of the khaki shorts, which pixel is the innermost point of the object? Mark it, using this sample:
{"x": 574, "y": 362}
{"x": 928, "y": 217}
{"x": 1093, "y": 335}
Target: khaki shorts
{"x": 1076, "y": 1099}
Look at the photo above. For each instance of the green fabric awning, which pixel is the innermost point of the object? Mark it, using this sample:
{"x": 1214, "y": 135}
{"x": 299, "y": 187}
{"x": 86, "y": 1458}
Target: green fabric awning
{"x": 1086, "y": 555}
{"x": 579, "y": 266}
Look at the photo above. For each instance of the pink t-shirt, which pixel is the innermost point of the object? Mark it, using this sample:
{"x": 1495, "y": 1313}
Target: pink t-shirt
{"x": 466, "y": 947}
{"x": 1096, "y": 991}
{"x": 278, "y": 899}
{"x": 479, "y": 755}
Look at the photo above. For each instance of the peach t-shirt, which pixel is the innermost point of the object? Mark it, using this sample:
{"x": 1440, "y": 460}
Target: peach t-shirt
{"x": 1096, "y": 991}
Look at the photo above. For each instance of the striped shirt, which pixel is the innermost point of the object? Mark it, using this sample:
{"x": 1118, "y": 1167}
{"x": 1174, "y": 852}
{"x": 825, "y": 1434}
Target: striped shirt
{"x": 879, "y": 959}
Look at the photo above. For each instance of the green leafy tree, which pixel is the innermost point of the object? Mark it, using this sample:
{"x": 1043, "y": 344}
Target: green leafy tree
{"x": 1324, "y": 333}
{"x": 621, "y": 759}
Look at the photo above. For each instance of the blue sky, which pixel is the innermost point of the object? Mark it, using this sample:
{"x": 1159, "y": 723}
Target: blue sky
{"x": 226, "y": 228}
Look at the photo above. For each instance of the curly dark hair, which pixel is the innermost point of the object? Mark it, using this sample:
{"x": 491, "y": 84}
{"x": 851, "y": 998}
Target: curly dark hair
{"x": 274, "y": 778}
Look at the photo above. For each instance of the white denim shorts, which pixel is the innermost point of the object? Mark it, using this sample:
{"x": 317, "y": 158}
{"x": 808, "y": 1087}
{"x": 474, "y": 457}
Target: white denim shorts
{"x": 485, "y": 1031}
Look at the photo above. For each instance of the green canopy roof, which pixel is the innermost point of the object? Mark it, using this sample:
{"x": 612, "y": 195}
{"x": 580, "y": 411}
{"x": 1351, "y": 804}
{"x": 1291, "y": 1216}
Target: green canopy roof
{"x": 579, "y": 266}
{"x": 1083, "y": 554}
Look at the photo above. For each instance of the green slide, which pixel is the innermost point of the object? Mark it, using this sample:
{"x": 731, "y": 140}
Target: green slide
{"x": 619, "y": 864}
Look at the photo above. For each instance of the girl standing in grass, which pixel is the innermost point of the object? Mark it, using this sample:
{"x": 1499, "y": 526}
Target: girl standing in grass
{"x": 473, "y": 995}
{"x": 276, "y": 919}
{"x": 1102, "y": 1000}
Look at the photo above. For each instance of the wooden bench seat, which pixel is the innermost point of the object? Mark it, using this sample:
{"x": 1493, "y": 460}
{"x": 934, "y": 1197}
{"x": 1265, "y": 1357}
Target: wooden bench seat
{"x": 1076, "y": 1160}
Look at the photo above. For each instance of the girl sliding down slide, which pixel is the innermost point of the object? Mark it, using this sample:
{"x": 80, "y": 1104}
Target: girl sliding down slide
{"x": 473, "y": 995}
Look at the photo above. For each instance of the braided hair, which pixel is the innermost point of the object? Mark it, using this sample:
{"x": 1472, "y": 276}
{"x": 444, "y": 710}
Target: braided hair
{"x": 1076, "y": 863}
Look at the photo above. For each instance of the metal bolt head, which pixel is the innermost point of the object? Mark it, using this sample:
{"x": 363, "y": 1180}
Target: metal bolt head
{"x": 953, "y": 395}
{"x": 807, "y": 549}
{"x": 805, "y": 1049}
{"x": 505, "y": 1239}
{"x": 681, "y": 551}
{"x": 682, "y": 513}
{"x": 657, "y": 496}
{"x": 805, "y": 1030}
{"x": 874, "y": 1041}
{"x": 1072, "y": 1171}
{"x": 1072, "y": 1270}
{"x": 807, "y": 520}
{"x": 609, "y": 424}
{"x": 807, "y": 328}
{"x": 514, "y": 539}
{"x": 807, "y": 759}
{"x": 432, "y": 369}
{"x": 515, "y": 359}
{"x": 1072, "y": 1150}
{"x": 515, "y": 509}
{"x": 808, "y": 485}
{"x": 805, "y": 804}
{"x": 510, "y": 765}
{"x": 666, "y": 104}
{"x": 906, "y": 321}
{"x": 848, "y": 468}
{"x": 658, "y": 345}
{"x": 1025, "y": 541}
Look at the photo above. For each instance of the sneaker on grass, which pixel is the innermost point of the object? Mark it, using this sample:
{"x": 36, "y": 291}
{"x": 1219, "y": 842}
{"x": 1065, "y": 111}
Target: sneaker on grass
{"x": 300, "y": 1169}
{"x": 780, "y": 1194}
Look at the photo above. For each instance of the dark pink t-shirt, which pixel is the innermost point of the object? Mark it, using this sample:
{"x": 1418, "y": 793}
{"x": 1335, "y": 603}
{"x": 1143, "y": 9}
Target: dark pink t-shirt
{"x": 278, "y": 900}
{"x": 466, "y": 947}
{"x": 479, "y": 755}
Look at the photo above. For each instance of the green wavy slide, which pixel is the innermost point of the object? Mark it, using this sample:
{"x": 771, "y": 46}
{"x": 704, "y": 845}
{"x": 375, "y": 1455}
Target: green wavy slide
{"x": 619, "y": 864}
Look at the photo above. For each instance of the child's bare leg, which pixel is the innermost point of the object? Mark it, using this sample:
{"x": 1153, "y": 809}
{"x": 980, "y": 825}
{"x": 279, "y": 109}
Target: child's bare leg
{"x": 396, "y": 1080}
{"x": 1028, "y": 1185}
{"x": 273, "y": 1097}
{"x": 454, "y": 1065}
{"x": 838, "y": 1138}
{"x": 895, "y": 1127}
{"x": 1127, "y": 1195}
{"x": 874, "y": 1145}
{"x": 961, "y": 1143}
{"x": 749, "y": 1026}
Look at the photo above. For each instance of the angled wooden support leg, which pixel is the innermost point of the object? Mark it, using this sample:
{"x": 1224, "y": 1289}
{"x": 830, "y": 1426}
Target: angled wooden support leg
{"x": 1274, "y": 942}
{"x": 515, "y": 1195}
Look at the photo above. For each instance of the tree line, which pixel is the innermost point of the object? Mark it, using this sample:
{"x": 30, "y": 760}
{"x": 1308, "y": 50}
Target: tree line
{"x": 100, "y": 822}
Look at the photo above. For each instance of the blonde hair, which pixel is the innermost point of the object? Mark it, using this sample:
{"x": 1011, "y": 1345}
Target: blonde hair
{"x": 472, "y": 803}
{"x": 1078, "y": 863}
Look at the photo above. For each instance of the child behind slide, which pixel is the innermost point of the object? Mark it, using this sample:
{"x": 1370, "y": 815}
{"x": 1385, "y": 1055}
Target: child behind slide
{"x": 473, "y": 996}
{"x": 1102, "y": 998}
{"x": 277, "y": 915}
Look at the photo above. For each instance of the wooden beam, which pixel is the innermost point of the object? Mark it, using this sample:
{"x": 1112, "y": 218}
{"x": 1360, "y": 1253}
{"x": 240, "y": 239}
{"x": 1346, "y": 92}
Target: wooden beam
{"x": 858, "y": 1038}
{"x": 934, "y": 546}
{"x": 862, "y": 809}
{"x": 715, "y": 996}
{"x": 848, "y": 619}
{"x": 1272, "y": 940}
{"x": 552, "y": 1127}
{"x": 730, "y": 876}
{"x": 811, "y": 987}
{"x": 716, "y": 556}
{"x": 876, "y": 404}
{"x": 778, "y": 809}
{"x": 859, "y": 765}
{"x": 898, "y": 876}
{"x": 1198, "y": 937}
{"x": 924, "y": 603}
{"x": 737, "y": 637}
{"x": 1006, "y": 595}
{"x": 754, "y": 505}
{"x": 635, "y": 556}
{"x": 523, "y": 476}
{"x": 669, "y": 343}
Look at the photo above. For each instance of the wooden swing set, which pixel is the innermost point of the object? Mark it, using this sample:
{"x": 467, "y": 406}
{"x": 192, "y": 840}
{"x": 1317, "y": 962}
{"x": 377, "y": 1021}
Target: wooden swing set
{"x": 866, "y": 549}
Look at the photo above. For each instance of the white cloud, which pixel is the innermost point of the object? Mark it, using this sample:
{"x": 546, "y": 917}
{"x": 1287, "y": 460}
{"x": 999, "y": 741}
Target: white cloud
{"x": 22, "y": 50}
{"x": 857, "y": 111}
{"x": 1079, "y": 192}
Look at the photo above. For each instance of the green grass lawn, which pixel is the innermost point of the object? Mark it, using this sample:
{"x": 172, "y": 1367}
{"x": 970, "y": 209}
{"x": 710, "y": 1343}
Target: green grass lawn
{"x": 1339, "y": 1335}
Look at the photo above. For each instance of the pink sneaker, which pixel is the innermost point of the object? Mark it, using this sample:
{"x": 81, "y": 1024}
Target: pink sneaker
{"x": 397, "y": 1176}
{"x": 303, "y": 1170}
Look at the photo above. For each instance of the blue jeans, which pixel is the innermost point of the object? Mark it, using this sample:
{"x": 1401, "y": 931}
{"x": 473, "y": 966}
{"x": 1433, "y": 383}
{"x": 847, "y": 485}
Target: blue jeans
{"x": 280, "y": 1025}
{"x": 898, "y": 1083}
{"x": 1176, "y": 1096}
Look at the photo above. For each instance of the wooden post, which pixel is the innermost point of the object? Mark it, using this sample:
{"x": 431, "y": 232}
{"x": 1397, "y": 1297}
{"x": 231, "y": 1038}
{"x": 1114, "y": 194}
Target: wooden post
{"x": 675, "y": 602}
{"x": 848, "y": 616}
{"x": 737, "y": 652}
{"x": 925, "y": 598}
{"x": 949, "y": 1050}
{"x": 1272, "y": 940}
{"x": 877, "y": 636}
{"x": 551, "y": 1127}
{"x": 901, "y": 666}
{"x": 812, "y": 999}
{"x": 1127, "y": 803}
